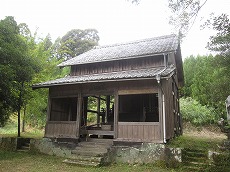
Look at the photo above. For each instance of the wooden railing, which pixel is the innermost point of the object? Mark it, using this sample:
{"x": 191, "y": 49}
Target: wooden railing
{"x": 139, "y": 131}
{"x": 61, "y": 129}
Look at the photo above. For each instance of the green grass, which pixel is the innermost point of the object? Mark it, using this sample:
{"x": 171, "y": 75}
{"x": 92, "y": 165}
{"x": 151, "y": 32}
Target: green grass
{"x": 11, "y": 129}
{"x": 200, "y": 143}
{"x": 23, "y": 161}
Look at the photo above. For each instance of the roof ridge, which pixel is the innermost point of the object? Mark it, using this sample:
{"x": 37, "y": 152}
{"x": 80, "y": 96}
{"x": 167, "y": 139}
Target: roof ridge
{"x": 134, "y": 42}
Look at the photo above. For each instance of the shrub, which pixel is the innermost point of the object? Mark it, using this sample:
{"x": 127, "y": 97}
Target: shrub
{"x": 198, "y": 115}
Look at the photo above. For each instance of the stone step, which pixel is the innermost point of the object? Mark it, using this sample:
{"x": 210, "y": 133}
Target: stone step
{"x": 96, "y": 149}
{"x": 187, "y": 158}
{"x": 27, "y": 144}
{"x": 92, "y": 145}
{"x": 86, "y": 158}
{"x": 191, "y": 163}
{"x": 89, "y": 152}
{"x": 25, "y": 147}
{"x": 194, "y": 153}
{"x": 22, "y": 150}
{"x": 81, "y": 163}
{"x": 192, "y": 168}
{"x": 97, "y": 140}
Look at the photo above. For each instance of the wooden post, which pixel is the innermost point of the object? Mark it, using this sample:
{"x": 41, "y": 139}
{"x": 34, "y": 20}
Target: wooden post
{"x": 79, "y": 114}
{"x": 160, "y": 107}
{"x": 48, "y": 113}
{"x": 116, "y": 111}
{"x": 98, "y": 109}
{"x": 85, "y": 108}
{"x": 107, "y": 107}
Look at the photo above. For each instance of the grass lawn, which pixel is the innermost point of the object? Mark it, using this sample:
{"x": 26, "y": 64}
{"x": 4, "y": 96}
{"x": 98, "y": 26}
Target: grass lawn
{"x": 27, "y": 162}
{"x": 10, "y": 130}
{"x": 205, "y": 138}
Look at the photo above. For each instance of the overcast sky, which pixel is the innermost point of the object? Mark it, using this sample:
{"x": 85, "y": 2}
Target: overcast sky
{"x": 116, "y": 20}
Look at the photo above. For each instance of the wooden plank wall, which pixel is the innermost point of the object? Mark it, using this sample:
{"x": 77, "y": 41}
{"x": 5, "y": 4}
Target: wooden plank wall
{"x": 119, "y": 65}
{"x": 126, "y": 87}
{"x": 169, "y": 114}
{"x": 139, "y": 131}
{"x": 61, "y": 129}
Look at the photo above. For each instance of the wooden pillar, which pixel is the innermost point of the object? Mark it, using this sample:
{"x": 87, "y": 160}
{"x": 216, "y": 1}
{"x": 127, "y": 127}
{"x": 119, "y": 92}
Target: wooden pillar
{"x": 98, "y": 109}
{"x": 107, "y": 107}
{"x": 48, "y": 113}
{"x": 85, "y": 108}
{"x": 79, "y": 114}
{"x": 116, "y": 112}
{"x": 48, "y": 109}
{"x": 160, "y": 108}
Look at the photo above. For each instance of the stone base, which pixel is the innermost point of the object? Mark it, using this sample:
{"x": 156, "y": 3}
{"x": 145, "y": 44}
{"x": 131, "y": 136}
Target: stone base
{"x": 144, "y": 153}
{"x": 141, "y": 153}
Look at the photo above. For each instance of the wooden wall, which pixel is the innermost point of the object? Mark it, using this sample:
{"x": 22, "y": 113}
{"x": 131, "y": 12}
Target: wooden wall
{"x": 171, "y": 107}
{"x": 126, "y": 87}
{"x": 61, "y": 129}
{"x": 139, "y": 131}
{"x": 119, "y": 65}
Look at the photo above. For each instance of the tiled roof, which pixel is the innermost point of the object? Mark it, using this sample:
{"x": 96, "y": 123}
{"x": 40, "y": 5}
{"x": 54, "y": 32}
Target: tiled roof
{"x": 128, "y": 50}
{"x": 104, "y": 77}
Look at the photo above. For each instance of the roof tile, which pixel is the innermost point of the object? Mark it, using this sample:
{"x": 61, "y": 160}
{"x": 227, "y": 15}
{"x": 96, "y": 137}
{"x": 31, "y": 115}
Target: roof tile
{"x": 102, "y": 77}
{"x": 128, "y": 50}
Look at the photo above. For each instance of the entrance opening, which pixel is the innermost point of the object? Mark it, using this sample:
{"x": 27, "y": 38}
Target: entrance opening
{"x": 98, "y": 116}
{"x": 138, "y": 108}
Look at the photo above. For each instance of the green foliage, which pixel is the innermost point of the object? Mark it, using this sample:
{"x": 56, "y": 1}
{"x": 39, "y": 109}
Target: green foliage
{"x": 207, "y": 81}
{"x": 16, "y": 68}
{"x": 195, "y": 113}
{"x": 220, "y": 41}
{"x": 75, "y": 42}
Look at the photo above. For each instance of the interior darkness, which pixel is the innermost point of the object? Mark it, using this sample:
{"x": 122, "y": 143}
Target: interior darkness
{"x": 138, "y": 108}
{"x": 63, "y": 109}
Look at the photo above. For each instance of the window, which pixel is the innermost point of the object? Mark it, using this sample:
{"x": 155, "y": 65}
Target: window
{"x": 63, "y": 109}
{"x": 138, "y": 108}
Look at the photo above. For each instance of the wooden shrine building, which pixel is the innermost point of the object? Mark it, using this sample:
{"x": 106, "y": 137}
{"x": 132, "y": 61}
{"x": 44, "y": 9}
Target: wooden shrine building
{"x": 127, "y": 92}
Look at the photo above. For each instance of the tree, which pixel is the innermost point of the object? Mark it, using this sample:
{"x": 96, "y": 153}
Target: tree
{"x": 17, "y": 68}
{"x": 184, "y": 14}
{"x": 76, "y": 42}
{"x": 207, "y": 81}
{"x": 220, "y": 42}
{"x": 9, "y": 39}
{"x": 37, "y": 103}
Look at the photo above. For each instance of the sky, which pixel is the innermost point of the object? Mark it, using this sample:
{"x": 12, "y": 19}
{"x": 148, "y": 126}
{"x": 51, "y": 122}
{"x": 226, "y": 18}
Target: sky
{"x": 116, "y": 20}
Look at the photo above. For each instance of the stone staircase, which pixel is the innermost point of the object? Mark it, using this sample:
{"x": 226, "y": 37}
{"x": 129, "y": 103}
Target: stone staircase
{"x": 90, "y": 153}
{"x": 24, "y": 145}
{"x": 194, "y": 160}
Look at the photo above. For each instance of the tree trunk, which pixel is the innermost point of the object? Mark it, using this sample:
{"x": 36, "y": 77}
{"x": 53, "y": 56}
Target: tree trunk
{"x": 19, "y": 108}
{"x": 23, "y": 120}
{"x": 19, "y": 121}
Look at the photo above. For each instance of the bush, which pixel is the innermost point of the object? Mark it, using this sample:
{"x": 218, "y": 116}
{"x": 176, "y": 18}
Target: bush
{"x": 198, "y": 115}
